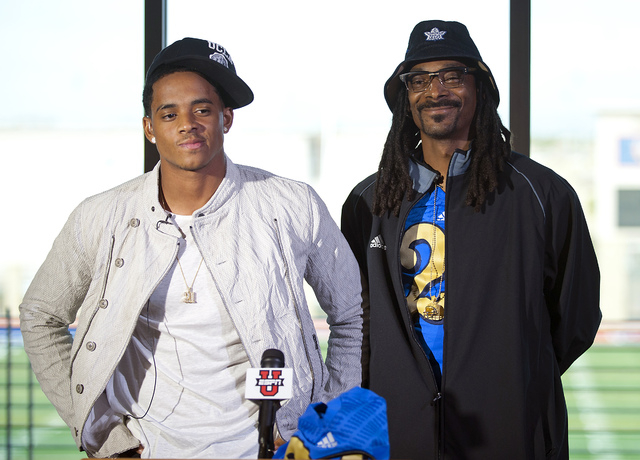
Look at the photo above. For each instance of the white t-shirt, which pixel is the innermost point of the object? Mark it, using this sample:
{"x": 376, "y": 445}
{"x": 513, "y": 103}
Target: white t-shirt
{"x": 196, "y": 408}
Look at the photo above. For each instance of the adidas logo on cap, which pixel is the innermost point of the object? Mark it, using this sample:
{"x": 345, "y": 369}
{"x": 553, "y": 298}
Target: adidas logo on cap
{"x": 328, "y": 441}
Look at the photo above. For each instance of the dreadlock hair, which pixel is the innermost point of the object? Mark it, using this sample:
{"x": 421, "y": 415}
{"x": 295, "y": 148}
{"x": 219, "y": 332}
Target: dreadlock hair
{"x": 491, "y": 148}
{"x": 393, "y": 181}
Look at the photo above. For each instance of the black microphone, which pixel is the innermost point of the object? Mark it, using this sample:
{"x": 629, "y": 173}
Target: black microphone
{"x": 271, "y": 358}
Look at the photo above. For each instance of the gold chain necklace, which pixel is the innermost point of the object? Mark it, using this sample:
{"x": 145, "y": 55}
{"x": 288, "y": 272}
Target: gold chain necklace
{"x": 189, "y": 296}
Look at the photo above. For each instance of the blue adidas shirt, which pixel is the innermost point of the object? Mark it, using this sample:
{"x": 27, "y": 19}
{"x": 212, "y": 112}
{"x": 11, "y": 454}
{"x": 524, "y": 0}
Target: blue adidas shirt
{"x": 422, "y": 274}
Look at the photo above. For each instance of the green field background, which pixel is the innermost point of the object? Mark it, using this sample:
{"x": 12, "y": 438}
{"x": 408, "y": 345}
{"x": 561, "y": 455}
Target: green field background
{"x": 602, "y": 390}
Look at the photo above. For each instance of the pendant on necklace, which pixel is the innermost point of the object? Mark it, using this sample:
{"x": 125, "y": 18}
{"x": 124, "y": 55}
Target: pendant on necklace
{"x": 433, "y": 310}
{"x": 189, "y": 296}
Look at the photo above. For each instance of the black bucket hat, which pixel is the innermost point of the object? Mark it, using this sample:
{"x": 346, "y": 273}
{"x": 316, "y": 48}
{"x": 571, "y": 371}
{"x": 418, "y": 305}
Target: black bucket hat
{"x": 438, "y": 40}
{"x": 209, "y": 59}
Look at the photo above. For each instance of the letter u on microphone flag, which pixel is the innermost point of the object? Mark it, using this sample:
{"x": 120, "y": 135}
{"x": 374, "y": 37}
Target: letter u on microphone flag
{"x": 269, "y": 383}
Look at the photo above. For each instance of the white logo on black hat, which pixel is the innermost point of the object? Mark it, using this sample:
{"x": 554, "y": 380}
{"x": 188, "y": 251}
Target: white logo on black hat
{"x": 435, "y": 34}
{"x": 220, "y": 55}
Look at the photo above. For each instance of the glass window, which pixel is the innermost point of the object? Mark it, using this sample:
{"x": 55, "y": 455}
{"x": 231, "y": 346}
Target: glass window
{"x": 72, "y": 76}
{"x": 586, "y": 126}
{"x": 72, "y": 82}
{"x": 629, "y": 208}
{"x": 318, "y": 71}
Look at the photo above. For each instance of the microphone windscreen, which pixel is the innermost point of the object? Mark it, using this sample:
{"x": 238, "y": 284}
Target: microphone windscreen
{"x": 272, "y": 358}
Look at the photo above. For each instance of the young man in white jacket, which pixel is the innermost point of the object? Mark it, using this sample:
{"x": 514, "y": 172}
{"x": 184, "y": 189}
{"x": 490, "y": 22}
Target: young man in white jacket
{"x": 182, "y": 277}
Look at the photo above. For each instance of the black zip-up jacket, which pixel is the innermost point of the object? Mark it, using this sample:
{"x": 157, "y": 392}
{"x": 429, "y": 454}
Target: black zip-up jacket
{"x": 522, "y": 305}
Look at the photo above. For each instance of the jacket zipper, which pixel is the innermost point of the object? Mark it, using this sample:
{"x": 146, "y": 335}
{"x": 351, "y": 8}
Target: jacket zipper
{"x": 108, "y": 265}
{"x": 437, "y": 403}
{"x": 297, "y": 308}
{"x": 437, "y": 400}
{"x": 110, "y": 258}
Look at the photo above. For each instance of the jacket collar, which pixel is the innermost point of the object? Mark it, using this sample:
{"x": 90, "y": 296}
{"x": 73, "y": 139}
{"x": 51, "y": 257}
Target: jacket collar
{"x": 227, "y": 190}
{"x": 423, "y": 175}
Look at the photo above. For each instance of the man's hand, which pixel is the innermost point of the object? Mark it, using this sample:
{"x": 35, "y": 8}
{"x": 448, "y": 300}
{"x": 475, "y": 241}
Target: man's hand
{"x": 132, "y": 453}
{"x": 278, "y": 442}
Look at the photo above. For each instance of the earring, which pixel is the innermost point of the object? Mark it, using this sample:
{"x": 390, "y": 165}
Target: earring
{"x": 153, "y": 140}
{"x": 225, "y": 130}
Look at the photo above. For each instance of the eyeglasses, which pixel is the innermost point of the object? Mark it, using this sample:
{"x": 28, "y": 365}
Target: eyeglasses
{"x": 451, "y": 77}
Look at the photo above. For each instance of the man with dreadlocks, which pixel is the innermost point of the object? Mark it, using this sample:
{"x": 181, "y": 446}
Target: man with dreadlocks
{"x": 477, "y": 377}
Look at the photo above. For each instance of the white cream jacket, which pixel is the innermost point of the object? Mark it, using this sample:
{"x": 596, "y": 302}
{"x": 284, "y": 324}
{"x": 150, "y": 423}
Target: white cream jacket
{"x": 260, "y": 235}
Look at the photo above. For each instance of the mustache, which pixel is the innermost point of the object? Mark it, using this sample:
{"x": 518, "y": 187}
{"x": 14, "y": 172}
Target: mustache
{"x": 439, "y": 103}
{"x": 191, "y": 139}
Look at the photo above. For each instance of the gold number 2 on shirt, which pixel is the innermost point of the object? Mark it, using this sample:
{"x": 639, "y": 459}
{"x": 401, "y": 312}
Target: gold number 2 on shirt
{"x": 429, "y": 272}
